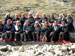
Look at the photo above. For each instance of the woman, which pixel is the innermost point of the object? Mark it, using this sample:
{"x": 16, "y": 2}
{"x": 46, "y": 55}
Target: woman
{"x": 7, "y": 16}
{"x": 28, "y": 29}
{"x": 37, "y": 18}
{"x": 52, "y": 18}
{"x": 18, "y": 31}
{"x": 61, "y": 18}
{"x": 69, "y": 20}
{"x": 37, "y": 31}
{"x": 45, "y": 32}
{"x": 15, "y": 19}
{"x": 64, "y": 34}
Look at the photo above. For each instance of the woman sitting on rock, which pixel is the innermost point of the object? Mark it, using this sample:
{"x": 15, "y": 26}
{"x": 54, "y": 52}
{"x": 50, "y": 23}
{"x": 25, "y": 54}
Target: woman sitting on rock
{"x": 64, "y": 34}
{"x": 18, "y": 31}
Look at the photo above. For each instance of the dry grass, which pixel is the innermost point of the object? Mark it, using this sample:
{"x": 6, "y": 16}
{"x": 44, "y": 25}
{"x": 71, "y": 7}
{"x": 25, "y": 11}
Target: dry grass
{"x": 19, "y": 6}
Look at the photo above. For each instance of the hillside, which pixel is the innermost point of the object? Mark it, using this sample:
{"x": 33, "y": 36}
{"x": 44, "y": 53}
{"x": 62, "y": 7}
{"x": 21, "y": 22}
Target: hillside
{"x": 47, "y": 6}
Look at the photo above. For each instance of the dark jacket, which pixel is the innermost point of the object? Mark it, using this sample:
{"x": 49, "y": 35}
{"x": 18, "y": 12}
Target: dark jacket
{"x": 20, "y": 30}
{"x": 5, "y": 20}
{"x": 8, "y": 28}
{"x": 57, "y": 30}
{"x": 1, "y": 27}
{"x": 69, "y": 20}
{"x": 38, "y": 19}
{"x": 28, "y": 28}
{"x": 31, "y": 19}
{"x": 46, "y": 30}
{"x": 37, "y": 29}
{"x": 22, "y": 20}
{"x": 51, "y": 20}
{"x": 64, "y": 29}
{"x": 15, "y": 20}
{"x": 65, "y": 34}
{"x": 60, "y": 20}
{"x": 70, "y": 23}
{"x": 44, "y": 19}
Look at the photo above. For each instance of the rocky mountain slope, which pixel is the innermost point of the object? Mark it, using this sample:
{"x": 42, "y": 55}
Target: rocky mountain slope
{"x": 47, "y": 6}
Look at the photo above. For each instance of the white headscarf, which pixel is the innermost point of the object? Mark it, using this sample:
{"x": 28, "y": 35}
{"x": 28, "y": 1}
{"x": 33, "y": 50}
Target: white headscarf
{"x": 6, "y": 15}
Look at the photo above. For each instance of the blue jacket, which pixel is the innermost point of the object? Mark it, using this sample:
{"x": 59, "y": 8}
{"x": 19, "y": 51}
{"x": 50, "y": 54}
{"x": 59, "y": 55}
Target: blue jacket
{"x": 27, "y": 28}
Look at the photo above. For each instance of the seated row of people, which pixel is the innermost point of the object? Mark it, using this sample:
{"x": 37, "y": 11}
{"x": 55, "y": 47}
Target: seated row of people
{"x": 28, "y": 32}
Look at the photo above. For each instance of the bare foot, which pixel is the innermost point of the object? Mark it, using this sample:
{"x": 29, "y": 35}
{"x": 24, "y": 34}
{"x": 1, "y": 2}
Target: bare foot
{"x": 0, "y": 39}
{"x": 15, "y": 40}
{"x": 52, "y": 41}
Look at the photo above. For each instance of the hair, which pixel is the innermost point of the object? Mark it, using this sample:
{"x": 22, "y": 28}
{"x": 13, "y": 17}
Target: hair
{"x": 6, "y": 15}
{"x": 61, "y": 15}
{"x": 52, "y": 14}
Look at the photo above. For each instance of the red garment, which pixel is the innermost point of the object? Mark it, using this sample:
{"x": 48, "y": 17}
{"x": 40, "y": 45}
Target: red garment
{"x": 63, "y": 41}
{"x": 8, "y": 39}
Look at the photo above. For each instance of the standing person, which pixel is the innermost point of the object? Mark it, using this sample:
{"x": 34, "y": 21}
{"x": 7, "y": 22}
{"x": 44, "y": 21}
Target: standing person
{"x": 16, "y": 18}
{"x": 69, "y": 20}
{"x": 37, "y": 18}
{"x": 7, "y": 16}
{"x": 8, "y": 31}
{"x": 31, "y": 18}
{"x": 61, "y": 18}
{"x": 37, "y": 31}
{"x": 55, "y": 32}
{"x": 28, "y": 29}
{"x": 18, "y": 31}
{"x": 44, "y": 18}
{"x": 64, "y": 34}
{"x": 23, "y": 19}
{"x": 51, "y": 19}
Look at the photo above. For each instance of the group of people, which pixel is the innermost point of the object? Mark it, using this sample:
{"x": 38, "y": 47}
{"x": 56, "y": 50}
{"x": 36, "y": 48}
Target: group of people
{"x": 36, "y": 28}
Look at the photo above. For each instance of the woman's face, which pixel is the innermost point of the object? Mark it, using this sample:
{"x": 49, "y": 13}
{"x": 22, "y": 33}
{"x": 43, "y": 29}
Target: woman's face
{"x": 36, "y": 24}
{"x": 63, "y": 24}
{"x": 68, "y": 16}
{"x": 23, "y": 15}
{"x": 27, "y": 22}
{"x": 61, "y": 16}
{"x": 18, "y": 23}
{"x": 8, "y": 15}
{"x": 37, "y": 16}
{"x": 51, "y": 16}
{"x": 55, "y": 23}
{"x": 44, "y": 15}
{"x": 16, "y": 16}
{"x": 0, "y": 22}
{"x": 46, "y": 24}
{"x": 30, "y": 15}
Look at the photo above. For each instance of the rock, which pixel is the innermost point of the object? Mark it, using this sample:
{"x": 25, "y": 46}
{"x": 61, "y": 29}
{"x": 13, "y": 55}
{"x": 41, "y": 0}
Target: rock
{"x": 39, "y": 50}
{"x": 15, "y": 53}
{"x": 72, "y": 48}
{"x": 21, "y": 49}
{"x": 64, "y": 48}
{"x": 6, "y": 48}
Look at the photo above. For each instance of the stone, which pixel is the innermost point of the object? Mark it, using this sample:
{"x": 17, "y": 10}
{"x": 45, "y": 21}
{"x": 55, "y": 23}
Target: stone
{"x": 39, "y": 50}
{"x": 6, "y": 48}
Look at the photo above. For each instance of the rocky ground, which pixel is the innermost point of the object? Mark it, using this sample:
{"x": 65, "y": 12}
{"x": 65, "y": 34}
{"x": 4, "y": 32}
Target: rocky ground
{"x": 38, "y": 49}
